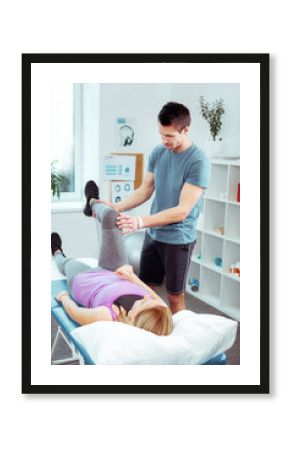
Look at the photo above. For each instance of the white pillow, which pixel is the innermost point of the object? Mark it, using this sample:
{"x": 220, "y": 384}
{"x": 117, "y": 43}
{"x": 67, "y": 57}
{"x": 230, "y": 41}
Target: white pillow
{"x": 195, "y": 339}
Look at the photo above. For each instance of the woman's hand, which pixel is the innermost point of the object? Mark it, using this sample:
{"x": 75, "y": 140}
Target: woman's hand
{"x": 61, "y": 295}
{"x": 125, "y": 272}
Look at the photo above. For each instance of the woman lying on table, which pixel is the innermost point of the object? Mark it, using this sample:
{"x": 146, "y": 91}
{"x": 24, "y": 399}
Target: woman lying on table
{"x": 111, "y": 291}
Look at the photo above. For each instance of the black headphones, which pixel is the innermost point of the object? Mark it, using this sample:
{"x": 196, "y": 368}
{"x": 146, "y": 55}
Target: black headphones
{"x": 128, "y": 131}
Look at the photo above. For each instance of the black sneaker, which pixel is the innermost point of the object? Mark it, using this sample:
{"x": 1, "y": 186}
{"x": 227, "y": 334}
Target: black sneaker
{"x": 91, "y": 191}
{"x": 56, "y": 243}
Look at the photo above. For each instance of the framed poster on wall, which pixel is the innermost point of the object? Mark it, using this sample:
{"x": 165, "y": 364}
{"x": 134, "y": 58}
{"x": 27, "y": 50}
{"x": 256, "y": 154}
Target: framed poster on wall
{"x": 119, "y": 167}
{"x": 244, "y": 77}
{"x": 120, "y": 190}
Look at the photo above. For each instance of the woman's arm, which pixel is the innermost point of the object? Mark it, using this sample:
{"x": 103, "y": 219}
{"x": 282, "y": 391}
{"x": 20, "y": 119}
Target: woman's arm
{"x": 126, "y": 272}
{"x": 81, "y": 315}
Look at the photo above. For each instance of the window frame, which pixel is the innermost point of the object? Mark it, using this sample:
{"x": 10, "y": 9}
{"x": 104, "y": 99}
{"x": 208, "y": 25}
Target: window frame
{"x": 77, "y": 146}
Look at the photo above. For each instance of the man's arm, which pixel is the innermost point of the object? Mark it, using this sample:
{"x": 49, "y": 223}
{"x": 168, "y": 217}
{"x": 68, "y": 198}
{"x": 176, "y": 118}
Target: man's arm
{"x": 141, "y": 195}
{"x": 189, "y": 196}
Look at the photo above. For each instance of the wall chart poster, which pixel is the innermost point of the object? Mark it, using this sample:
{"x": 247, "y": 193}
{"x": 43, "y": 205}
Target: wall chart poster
{"x": 119, "y": 167}
{"x": 120, "y": 190}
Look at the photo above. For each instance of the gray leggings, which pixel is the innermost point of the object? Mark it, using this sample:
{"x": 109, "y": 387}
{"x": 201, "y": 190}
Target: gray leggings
{"x": 112, "y": 253}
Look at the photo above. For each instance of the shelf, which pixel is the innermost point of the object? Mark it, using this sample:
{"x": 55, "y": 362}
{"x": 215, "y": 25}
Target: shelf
{"x": 234, "y": 240}
{"x": 233, "y": 203}
{"x": 215, "y": 199}
{"x": 195, "y": 260}
{"x": 231, "y": 257}
{"x": 212, "y": 249}
{"x": 209, "y": 299}
{"x": 197, "y": 247}
{"x": 231, "y": 311}
{"x": 227, "y": 162}
{"x": 218, "y": 287}
{"x": 218, "y": 182}
{"x": 214, "y": 214}
{"x": 234, "y": 180}
{"x": 194, "y": 271}
{"x": 230, "y": 294}
{"x": 210, "y": 282}
{"x": 212, "y": 233}
{"x": 233, "y": 223}
{"x": 212, "y": 267}
{"x": 214, "y": 302}
{"x": 222, "y": 236}
{"x": 232, "y": 277}
{"x": 221, "y": 200}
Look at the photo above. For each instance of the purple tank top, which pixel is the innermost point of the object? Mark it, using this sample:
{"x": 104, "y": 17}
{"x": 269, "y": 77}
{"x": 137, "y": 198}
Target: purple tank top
{"x": 102, "y": 288}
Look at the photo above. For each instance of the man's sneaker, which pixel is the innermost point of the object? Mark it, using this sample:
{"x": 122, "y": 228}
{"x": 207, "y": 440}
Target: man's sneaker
{"x": 91, "y": 191}
{"x": 56, "y": 243}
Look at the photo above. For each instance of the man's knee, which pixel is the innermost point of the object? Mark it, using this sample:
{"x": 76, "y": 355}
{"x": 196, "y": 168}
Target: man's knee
{"x": 176, "y": 301}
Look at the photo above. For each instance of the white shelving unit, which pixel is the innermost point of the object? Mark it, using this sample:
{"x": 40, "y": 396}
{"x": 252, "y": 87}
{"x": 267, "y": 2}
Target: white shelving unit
{"x": 218, "y": 235}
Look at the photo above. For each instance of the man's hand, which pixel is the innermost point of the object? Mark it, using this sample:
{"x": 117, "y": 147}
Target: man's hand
{"x": 129, "y": 224}
{"x": 110, "y": 204}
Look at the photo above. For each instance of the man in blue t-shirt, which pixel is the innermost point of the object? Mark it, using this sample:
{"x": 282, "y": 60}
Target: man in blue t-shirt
{"x": 178, "y": 172}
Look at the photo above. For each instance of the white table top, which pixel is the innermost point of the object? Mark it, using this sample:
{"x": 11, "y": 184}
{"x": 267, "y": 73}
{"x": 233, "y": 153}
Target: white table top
{"x": 57, "y": 275}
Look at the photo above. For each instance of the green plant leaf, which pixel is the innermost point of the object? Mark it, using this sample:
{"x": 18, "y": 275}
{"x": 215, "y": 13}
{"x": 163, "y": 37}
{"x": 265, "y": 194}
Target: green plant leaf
{"x": 57, "y": 180}
{"x": 212, "y": 114}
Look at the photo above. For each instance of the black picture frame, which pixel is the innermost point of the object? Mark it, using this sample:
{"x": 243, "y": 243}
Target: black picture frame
{"x": 260, "y": 59}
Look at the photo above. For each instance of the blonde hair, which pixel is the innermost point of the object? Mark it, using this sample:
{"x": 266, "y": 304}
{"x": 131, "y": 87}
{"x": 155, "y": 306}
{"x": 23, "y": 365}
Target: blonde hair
{"x": 157, "y": 319}
{"x": 122, "y": 317}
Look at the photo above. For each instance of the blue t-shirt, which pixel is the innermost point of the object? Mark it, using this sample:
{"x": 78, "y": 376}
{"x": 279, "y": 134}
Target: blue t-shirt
{"x": 171, "y": 170}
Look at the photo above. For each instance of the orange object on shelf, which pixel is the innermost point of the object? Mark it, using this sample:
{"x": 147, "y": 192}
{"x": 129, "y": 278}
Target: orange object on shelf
{"x": 235, "y": 269}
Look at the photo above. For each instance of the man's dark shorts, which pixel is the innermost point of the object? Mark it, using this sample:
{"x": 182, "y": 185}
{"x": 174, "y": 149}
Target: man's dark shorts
{"x": 159, "y": 260}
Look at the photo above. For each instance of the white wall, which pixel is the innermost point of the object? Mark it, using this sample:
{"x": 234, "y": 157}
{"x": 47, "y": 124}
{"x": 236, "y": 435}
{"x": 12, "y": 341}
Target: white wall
{"x": 103, "y": 104}
{"x": 79, "y": 234}
{"x": 78, "y": 231}
{"x": 140, "y": 102}
{"x": 90, "y": 131}
{"x": 143, "y": 102}
{"x": 189, "y": 95}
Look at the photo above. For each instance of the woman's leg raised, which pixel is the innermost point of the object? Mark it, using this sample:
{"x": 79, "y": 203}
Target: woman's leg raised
{"x": 113, "y": 252}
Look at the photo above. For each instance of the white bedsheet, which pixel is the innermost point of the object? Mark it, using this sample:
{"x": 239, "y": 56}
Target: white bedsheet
{"x": 57, "y": 275}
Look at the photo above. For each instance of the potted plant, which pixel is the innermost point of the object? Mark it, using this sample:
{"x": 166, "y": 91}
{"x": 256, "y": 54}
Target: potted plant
{"x": 213, "y": 113}
{"x": 57, "y": 180}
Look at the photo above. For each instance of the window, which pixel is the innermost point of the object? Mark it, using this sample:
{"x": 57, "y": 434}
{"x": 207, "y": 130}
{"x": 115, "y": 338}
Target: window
{"x": 66, "y": 121}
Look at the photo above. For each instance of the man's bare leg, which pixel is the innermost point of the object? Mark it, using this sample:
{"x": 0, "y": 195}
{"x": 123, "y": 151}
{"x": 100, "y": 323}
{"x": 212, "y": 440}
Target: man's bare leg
{"x": 177, "y": 302}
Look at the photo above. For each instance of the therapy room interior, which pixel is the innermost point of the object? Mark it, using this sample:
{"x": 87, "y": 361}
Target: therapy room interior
{"x": 106, "y": 133}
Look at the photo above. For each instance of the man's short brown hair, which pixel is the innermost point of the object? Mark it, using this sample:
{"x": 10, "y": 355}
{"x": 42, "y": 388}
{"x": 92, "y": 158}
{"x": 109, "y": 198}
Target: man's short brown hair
{"x": 174, "y": 114}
